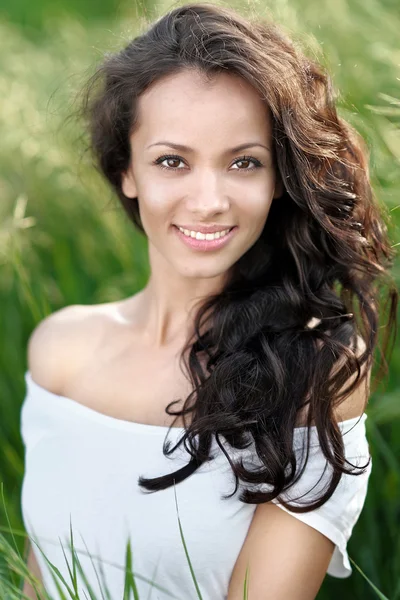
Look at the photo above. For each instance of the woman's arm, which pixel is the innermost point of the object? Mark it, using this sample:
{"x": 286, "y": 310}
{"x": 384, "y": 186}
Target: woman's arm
{"x": 287, "y": 558}
{"x": 35, "y": 570}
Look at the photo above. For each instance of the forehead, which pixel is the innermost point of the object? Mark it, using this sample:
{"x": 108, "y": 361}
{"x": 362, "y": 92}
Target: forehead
{"x": 187, "y": 104}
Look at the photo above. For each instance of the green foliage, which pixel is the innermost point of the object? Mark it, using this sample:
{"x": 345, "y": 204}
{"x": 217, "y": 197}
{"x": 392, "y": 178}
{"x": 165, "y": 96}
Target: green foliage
{"x": 65, "y": 240}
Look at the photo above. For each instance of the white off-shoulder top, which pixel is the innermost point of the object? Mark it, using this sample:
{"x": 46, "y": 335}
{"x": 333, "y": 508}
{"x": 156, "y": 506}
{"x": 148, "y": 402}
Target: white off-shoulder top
{"x": 82, "y": 469}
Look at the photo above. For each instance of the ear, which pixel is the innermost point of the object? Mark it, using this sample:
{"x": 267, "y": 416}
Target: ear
{"x": 128, "y": 184}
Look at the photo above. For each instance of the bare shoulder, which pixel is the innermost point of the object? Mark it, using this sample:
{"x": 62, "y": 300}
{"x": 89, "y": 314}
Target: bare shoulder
{"x": 62, "y": 341}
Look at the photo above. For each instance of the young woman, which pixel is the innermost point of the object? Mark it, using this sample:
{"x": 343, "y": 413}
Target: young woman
{"x": 250, "y": 347}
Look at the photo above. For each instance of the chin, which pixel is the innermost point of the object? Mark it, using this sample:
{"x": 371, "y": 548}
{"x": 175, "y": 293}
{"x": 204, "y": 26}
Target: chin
{"x": 195, "y": 272}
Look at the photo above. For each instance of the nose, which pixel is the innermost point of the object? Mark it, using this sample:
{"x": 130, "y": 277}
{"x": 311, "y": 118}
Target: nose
{"x": 206, "y": 197}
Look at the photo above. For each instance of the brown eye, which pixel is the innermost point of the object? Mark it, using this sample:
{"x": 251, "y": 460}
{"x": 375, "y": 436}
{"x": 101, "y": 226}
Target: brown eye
{"x": 246, "y": 160}
{"x": 243, "y": 161}
{"x": 169, "y": 159}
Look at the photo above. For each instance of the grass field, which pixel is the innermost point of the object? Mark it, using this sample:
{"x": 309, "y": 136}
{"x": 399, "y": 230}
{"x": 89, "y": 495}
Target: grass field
{"x": 64, "y": 239}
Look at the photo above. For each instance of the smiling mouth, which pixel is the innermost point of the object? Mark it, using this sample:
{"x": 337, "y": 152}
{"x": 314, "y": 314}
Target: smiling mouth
{"x": 204, "y": 235}
{"x": 204, "y": 244}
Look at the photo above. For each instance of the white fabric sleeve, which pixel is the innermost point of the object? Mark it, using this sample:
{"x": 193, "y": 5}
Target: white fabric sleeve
{"x": 337, "y": 517}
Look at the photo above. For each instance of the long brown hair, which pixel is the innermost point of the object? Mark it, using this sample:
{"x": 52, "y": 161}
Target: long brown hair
{"x": 324, "y": 251}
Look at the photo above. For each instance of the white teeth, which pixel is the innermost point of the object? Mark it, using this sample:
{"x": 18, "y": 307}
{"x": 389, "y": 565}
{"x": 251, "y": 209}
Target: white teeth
{"x": 204, "y": 236}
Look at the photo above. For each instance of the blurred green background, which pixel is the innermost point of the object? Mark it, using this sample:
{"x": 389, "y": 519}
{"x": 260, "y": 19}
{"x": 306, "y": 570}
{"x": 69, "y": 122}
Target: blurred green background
{"x": 64, "y": 239}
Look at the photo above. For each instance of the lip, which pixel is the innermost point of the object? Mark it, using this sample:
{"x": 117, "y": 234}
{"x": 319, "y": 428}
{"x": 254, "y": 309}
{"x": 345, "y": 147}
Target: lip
{"x": 205, "y": 245}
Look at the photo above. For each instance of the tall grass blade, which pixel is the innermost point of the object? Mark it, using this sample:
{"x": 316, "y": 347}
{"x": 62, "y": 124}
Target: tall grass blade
{"x": 130, "y": 583}
{"x": 185, "y": 547}
{"x": 373, "y": 586}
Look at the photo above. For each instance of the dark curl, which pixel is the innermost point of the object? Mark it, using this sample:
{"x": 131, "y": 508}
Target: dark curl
{"x": 324, "y": 253}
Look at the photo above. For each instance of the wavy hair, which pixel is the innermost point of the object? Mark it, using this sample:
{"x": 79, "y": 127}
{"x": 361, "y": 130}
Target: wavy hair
{"x": 324, "y": 252}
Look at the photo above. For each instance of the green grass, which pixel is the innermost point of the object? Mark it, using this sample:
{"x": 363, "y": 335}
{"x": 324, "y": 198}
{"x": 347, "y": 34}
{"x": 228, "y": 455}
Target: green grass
{"x": 64, "y": 239}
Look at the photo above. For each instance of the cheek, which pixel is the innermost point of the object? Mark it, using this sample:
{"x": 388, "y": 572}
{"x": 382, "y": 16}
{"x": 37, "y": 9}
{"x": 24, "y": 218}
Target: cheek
{"x": 255, "y": 207}
{"x": 155, "y": 202}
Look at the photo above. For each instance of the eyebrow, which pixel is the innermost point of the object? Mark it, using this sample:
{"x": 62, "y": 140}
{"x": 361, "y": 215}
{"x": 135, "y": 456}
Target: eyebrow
{"x": 184, "y": 148}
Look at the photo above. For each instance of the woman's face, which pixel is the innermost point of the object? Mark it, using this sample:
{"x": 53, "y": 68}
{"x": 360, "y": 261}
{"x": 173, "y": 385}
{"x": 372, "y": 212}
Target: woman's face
{"x": 208, "y": 182}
